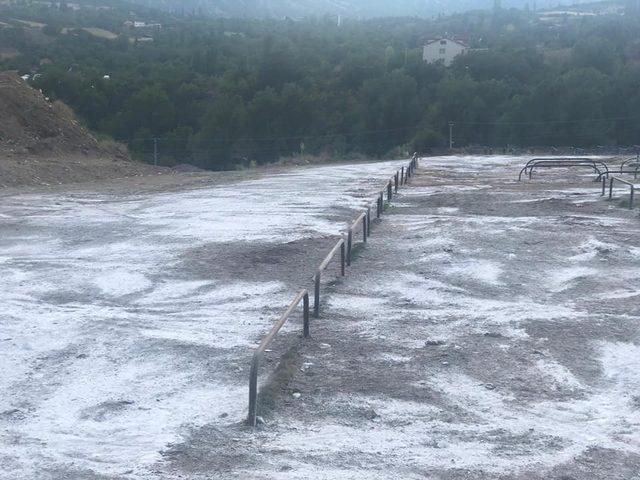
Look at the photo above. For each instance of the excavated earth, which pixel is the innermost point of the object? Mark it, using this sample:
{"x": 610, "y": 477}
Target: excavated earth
{"x": 43, "y": 143}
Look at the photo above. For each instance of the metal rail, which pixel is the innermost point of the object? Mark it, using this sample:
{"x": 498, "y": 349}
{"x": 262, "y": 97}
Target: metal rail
{"x": 598, "y": 166}
{"x": 630, "y": 161}
{"x": 345, "y": 247}
{"x": 341, "y": 245}
{"x": 617, "y": 179}
{"x": 634, "y": 172}
{"x": 562, "y": 159}
{"x": 303, "y": 296}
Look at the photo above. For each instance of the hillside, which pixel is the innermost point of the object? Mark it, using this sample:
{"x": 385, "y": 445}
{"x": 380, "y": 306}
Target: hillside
{"x": 44, "y": 143}
{"x": 347, "y": 8}
{"x": 32, "y": 125}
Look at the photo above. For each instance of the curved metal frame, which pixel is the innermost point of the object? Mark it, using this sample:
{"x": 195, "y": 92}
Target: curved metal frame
{"x": 564, "y": 162}
{"x": 630, "y": 161}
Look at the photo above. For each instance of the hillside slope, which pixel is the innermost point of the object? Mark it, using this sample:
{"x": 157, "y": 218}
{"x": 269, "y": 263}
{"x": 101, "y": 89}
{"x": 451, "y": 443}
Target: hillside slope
{"x": 43, "y": 143}
{"x": 32, "y": 125}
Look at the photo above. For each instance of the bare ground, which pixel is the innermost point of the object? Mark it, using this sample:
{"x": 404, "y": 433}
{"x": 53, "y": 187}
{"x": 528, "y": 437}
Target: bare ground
{"x": 131, "y": 308}
{"x": 489, "y": 330}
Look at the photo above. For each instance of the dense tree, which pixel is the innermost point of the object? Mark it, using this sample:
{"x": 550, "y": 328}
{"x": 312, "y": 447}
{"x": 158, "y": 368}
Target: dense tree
{"x": 223, "y": 92}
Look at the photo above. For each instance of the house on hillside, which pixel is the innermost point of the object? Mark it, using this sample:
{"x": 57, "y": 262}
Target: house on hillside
{"x": 443, "y": 50}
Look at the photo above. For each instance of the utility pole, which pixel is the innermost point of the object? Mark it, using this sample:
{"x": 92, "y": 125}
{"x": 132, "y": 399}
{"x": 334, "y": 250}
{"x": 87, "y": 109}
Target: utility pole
{"x": 451, "y": 124}
{"x": 155, "y": 151}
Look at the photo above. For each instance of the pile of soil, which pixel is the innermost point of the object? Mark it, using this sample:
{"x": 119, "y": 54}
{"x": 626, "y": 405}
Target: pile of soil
{"x": 43, "y": 143}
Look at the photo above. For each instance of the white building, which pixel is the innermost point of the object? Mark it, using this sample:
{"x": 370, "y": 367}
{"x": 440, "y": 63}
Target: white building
{"x": 443, "y": 50}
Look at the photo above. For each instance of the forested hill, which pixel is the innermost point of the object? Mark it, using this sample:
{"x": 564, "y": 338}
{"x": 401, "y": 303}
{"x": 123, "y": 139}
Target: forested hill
{"x": 347, "y": 8}
{"x": 221, "y": 92}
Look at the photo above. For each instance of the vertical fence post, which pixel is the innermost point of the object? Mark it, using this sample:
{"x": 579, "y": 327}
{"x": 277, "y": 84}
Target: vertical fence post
{"x": 382, "y": 202}
{"x": 402, "y": 176}
{"x": 316, "y": 295}
{"x": 364, "y": 228}
{"x": 611, "y": 188}
{"x": 368, "y": 221}
{"x": 604, "y": 183}
{"x": 349, "y": 245}
{"x": 395, "y": 180}
{"x": 631, "y": 197}
{"x": 389, "y": 191}
{"x": 305, "y": 307}
{"x": 253, "y": 391}
{"x": 378, "y": 207}
{"x": 343, "y": 258}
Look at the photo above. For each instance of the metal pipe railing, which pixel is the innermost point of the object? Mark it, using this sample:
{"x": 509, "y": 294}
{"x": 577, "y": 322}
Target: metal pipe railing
{"x": 633, "y": 161}
{"x": 617, "y": 179}
{"x": 266, "y": 341}
{"x": 345, "y": 247}
{"x": 598, "y": 166}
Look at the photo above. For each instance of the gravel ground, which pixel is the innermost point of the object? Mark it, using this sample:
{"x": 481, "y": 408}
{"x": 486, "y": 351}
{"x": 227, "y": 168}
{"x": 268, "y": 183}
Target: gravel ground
{"x": 489, "y": 330}
{"x": 130, "y": 309}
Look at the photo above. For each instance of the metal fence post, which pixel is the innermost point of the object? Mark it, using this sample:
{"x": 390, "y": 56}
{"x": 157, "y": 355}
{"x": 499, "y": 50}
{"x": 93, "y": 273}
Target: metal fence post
{"x": 389, "y": 191}
{"x": 631, "y": 197}
{"x": 395, "y": 180}
{"x": 307, "y": 328}
{"x": 349, "y": 244}
{"x": 343, "y": 259}
{"x": 611, "y": 189}
{"x": 364, "y": 229}
{"x": 368, "y": 221}
{"x": 316, "y": 295}
{"x": 378, "y": 207}
{"x": 253, "y": 391}
{"x": 402, "y": 176}
{"x": 604, "y": 183}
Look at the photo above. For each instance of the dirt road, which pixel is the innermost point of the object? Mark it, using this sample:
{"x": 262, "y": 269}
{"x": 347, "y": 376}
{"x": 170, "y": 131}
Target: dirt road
{"x": 490, "y": 329}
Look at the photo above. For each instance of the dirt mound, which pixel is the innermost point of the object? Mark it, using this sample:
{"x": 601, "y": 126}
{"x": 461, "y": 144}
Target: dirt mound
{"x": 44, "y": 143}
{"x": 32, "y": 125}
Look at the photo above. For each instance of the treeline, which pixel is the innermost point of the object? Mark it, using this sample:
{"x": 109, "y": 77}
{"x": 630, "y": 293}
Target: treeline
{"x": 217, "y": 93}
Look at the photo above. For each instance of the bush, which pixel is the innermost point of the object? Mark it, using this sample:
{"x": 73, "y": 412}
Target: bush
{"x": 426, "y": 139}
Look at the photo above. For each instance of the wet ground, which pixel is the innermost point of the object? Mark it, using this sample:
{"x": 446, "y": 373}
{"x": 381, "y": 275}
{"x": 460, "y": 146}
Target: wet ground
{"x": 489, "y": 330}
{"x": 130, "y": 309}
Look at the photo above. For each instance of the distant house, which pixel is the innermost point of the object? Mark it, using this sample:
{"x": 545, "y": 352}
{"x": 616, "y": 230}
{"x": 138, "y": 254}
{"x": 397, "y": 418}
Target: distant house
{"x": 443, "y": 50}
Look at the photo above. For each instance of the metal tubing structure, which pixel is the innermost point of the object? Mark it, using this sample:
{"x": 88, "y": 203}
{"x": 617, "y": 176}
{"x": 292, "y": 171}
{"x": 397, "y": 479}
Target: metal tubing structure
{"x": 345, "y": 246}
{"x": 630, "y": 161}
{"x": 631, "y": 185}
{"x": 598, "y": 166}
{"x": 634, "y": 171}
{"x": 266, "y": 341}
